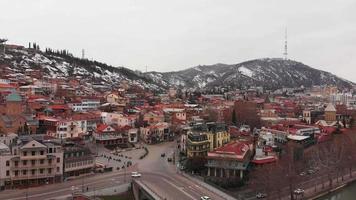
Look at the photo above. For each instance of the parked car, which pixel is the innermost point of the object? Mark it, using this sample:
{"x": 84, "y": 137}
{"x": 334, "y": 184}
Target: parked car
{"x": 135, "y": 174}
{"x": 302, "y": 174}
{"x": 205, "y": 198}
{"x": 169, "y": 159}
{"x": 261, "y": 195}
{"x": 163, "y": 155}
{"x": 299, "y": 191}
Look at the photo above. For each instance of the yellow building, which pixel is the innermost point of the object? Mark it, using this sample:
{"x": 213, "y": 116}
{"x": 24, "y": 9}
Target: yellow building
{"x": 205, "y": 138}
{"x": 217, "y": 135}
{"x": 330, "y": 113}
{"x": 197, "y": 144}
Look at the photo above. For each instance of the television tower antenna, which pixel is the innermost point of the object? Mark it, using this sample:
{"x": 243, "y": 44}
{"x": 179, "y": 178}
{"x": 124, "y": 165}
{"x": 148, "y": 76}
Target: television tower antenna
{"x": 83, "y": 53}
{"x": 286, "y": 46}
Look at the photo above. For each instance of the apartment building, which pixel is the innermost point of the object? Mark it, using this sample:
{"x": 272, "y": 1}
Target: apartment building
{"x": 30, "y": 161}
{"x": 78, "y": 160}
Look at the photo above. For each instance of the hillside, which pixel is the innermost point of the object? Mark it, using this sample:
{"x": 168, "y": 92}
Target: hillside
{"x": 269, "y": 73}
{"x": 18, "y": 61}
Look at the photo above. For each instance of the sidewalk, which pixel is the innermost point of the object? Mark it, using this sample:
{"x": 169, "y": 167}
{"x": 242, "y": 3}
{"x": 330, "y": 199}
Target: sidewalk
{"x": 312, "y": 194}
{"x": 100, "y": 192}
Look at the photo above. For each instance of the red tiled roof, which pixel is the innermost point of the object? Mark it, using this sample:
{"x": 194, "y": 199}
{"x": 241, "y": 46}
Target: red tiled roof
{"x": 236, "y": 148}
{"x": 4, "y": 85}
{"x": 59, "y": 107}
{"x": 264, "y": 161}
{"x": 101, "y": 127}
{"x": 85, "y": 116}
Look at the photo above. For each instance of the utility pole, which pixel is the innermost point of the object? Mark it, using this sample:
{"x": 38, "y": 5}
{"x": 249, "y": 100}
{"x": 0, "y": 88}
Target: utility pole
{"x": 124, "y": 172}
{"x": 82, "y": 183}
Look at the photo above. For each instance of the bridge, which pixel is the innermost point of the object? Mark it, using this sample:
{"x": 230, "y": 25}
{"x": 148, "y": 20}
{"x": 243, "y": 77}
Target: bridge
{"x": 142, "y": 192}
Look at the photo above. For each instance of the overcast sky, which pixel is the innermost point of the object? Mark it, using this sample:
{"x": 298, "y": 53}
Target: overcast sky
{"x": 168, "y": 35}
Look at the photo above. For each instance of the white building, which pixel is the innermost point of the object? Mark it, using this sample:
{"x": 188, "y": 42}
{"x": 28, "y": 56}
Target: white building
{"x": 85, "y": 105}
{"x": 115, "y": 118}
{"x": 30, "y": 162}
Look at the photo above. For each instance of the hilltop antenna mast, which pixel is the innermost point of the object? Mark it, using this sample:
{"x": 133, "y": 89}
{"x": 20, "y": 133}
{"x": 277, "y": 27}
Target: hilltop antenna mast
{"x": 83, "y": 53}
{"x": 286, "y": 46}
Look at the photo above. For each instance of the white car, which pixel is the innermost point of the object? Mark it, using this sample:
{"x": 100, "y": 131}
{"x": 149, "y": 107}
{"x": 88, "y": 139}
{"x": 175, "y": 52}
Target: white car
{"x": 299, "y": 191}
{"x": 205, "y": 198}
{"x": 135, "y": 174}
{"x": 261, "y": 195}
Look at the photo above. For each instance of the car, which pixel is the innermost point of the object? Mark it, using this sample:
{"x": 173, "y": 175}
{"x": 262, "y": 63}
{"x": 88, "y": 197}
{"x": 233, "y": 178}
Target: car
{"x": 205, "y": 198}
{"x": 311, "y": 171}
{"x": 135, "y": 174}
{"x": 261, "y": 195}
{"x": 302, "y": 174}
{"x": 299, "y": 191}
{"x": 163, "y": 155}
{"x": 169, "y": 159}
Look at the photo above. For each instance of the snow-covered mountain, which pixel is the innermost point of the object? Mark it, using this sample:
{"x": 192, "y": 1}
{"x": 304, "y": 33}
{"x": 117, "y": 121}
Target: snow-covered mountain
{"x": 18, "y": 61}
{"x": 269, "y": 73}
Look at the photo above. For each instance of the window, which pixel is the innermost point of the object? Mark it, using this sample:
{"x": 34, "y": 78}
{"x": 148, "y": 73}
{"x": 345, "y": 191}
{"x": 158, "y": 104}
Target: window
{"x": 25, "y": 153}
{"x": 16, "y": 163}
{"x": 50, "y": 161}
{"x": 41, "y": 171}
{"x": 42, "y": 152}
{"x": 33, "y": 162}
{"x": 7, "y": 163}
{"x": 58, "y": 160}
{"x": 33, "y": 172}
{"x": 24, "y": 172}
{"x": 57, "y": 169}
{"x": 49, "y": 170}
{"x": 41, "y": 161}
{"x": 7, "y": 173}
{"x": 16, "y": 173}
{"x": 33, "y": 153}
{"x": 24, "y": 162}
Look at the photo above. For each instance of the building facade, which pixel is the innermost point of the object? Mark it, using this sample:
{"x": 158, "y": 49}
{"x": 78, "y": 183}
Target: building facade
{"x": 31, "y": 162}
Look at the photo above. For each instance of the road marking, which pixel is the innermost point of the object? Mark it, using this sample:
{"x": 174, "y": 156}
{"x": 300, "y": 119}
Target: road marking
{"x": 180, "y": 189}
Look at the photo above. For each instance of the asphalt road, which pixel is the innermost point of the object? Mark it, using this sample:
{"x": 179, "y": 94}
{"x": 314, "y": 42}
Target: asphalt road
{"x": 164, "y": 179}
{"x": 158, "y": 174}
{"x": 54, "y": 191}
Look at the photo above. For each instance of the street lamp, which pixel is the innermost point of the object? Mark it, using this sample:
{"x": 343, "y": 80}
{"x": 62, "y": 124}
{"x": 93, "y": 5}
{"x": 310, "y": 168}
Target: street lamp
{"x": 124, "y": 172}
{"x": 73, "y": 188}
{"x": 82, "y": 183}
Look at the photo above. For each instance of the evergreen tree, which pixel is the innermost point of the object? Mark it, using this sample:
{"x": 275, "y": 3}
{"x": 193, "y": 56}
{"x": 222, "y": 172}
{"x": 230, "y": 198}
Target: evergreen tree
{"x": 25, "y": 128}
{"x": 233, "y": 117}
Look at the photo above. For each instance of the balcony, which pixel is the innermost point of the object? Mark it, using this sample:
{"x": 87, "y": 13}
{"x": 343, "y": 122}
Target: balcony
{"x": 33, "y": 176}
{"x": 205, "y": 149}
{"x": 35, "y": 157}
{"x": 36, "y": 166}
{"x": 227, "y": 164}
